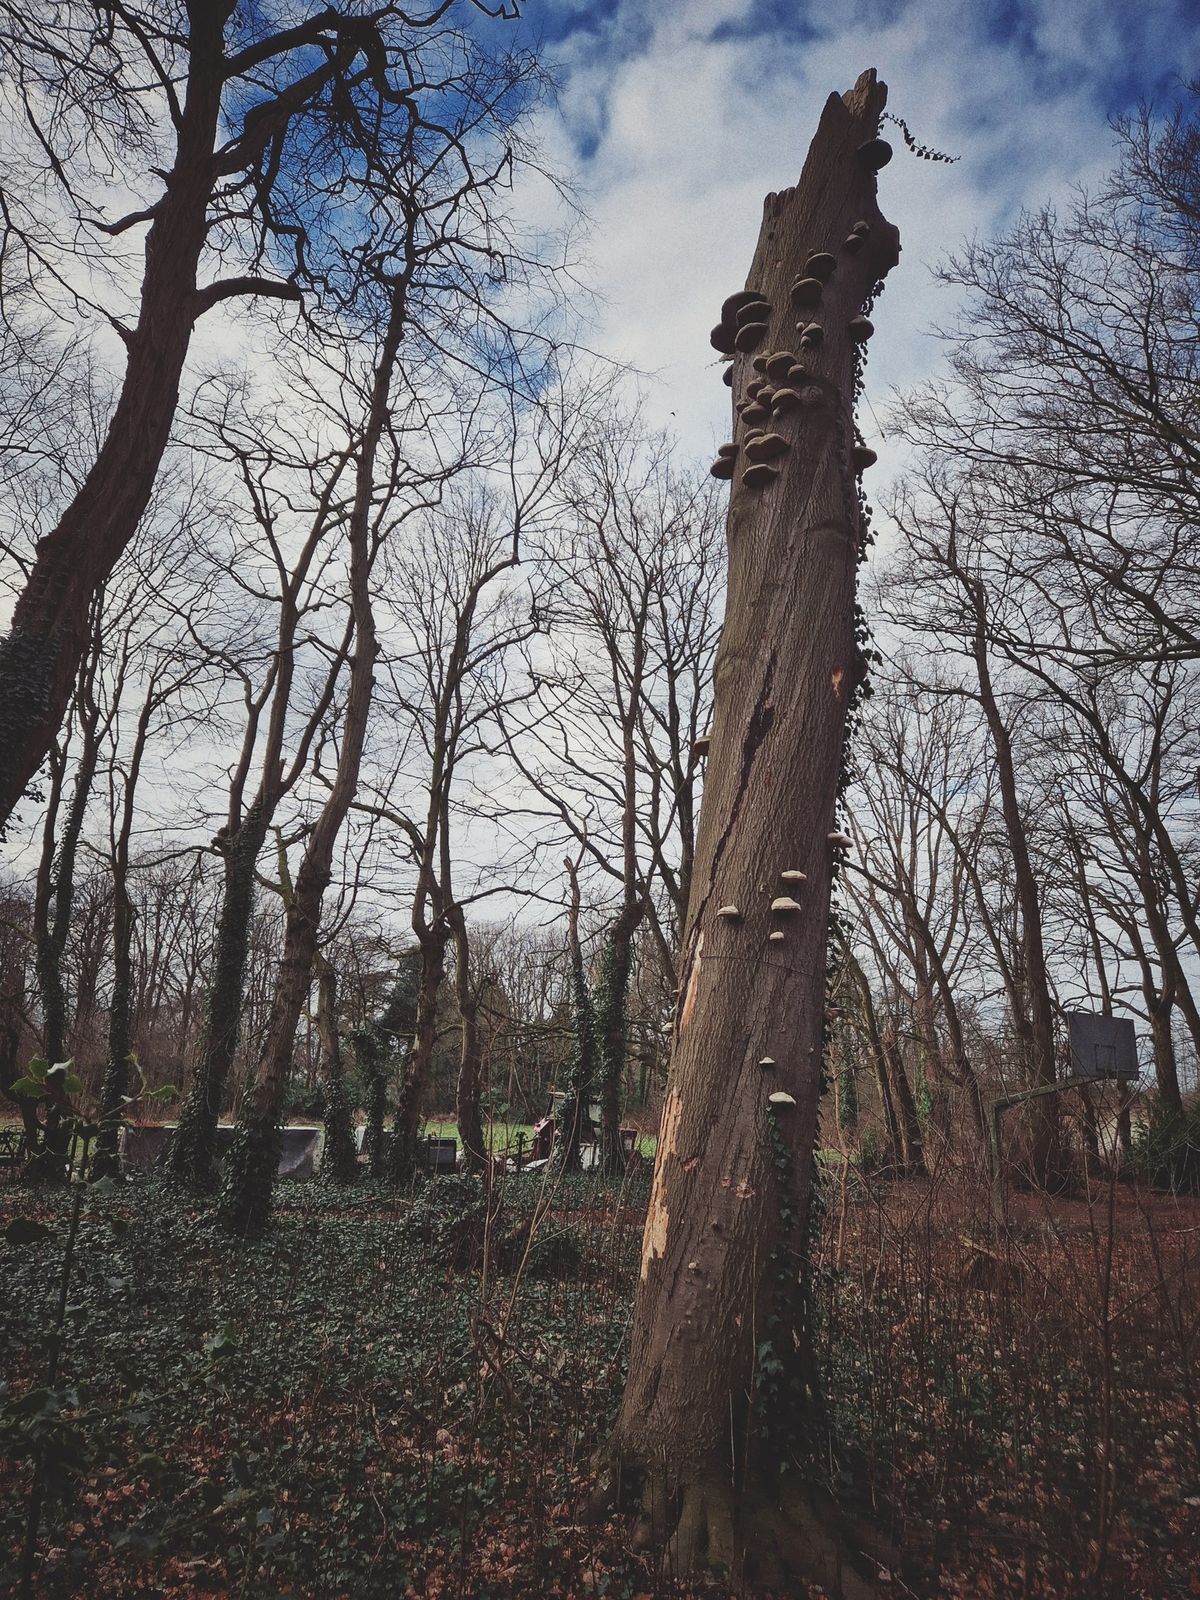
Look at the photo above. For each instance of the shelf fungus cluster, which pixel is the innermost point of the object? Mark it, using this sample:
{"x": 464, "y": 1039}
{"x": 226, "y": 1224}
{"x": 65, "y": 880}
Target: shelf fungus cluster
{"x": 726, "y": 463}
{"x": 854, "y": 241}
{"x": 743, "y": 323}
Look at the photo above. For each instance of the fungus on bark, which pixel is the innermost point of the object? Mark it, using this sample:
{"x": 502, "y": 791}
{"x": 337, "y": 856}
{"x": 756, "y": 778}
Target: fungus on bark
{"x": 707, "y": 1435}
{"x": 784, "y": 905}
{"x": 874, "y": 154}
{"x": 767, "y": 447}
{"x": 806, "y": 291}
{"x": 820, "y": 265}
{"x": 749, "y": 335}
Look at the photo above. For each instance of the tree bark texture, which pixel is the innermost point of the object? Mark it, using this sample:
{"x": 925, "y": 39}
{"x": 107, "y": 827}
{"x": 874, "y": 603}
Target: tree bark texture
{"x": 716, "y": 1391}
{"x": 190, "y": 1159}
{"x": 407, "y": 1122}
{"x": 470, "y": 1060}
{"x": 339, "y": 1159}
{"x": 1034, "y": 1019}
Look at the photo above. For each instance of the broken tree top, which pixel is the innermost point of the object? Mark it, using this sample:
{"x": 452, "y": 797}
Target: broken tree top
{"x": 791, "y": 334}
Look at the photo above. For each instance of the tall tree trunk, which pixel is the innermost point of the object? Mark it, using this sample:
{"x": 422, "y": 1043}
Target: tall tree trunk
{"x": 54, "y": 897}
{"x": 40, "y": 656}
{"x": 610, "y": 1012}
{"x": 403, "y": 1154}
{"x": 339, "y": 1160}
{"x": 191, "y": 1157}
{"x": 908, "y": 1122}
{"x": 582, "y": 1066}
{"x": 470, "y": 1060}
{"x": 115, "y": 1084}
{"x": 253, "y": 1161}
{"x": 718, "y": 1392}
{"x": 1036, "y": 1029}
{"x": 879, "y": 1066}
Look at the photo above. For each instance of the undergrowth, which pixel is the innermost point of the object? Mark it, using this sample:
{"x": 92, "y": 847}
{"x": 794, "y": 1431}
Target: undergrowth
{"x": 401, "y": 1395}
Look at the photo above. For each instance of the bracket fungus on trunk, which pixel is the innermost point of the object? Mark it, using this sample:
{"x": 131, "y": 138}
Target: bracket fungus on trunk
{"x": 806, "y": 292}
{"x": 767, "y": 447}
{"x": 840, "y": 841}
{"x": 820, "y": 265}
{"x": 863, "y": 457}
{"x": 784, "y": 905}
{"x": 874, "y": 154}
{"x": 777, "y": 785}
{"x": 781, "y": 1099}
{"x": 793, "y": 875}
{"x": 750, "y": 335}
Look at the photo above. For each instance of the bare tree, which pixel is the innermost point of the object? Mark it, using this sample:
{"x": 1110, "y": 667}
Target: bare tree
{"x": 248, "y": 146}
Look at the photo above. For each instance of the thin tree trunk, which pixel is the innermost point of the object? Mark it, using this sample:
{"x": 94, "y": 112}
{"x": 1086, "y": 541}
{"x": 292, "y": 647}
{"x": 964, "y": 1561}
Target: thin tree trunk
{"x": 470, "y": 1061}
{"x": 191, "y": 1157}
{"x": 253, "y": 1161}
{"x": 1037, "y": 1029}
{"x": 879, "y": 1066}
{"x": 909, "y": 1123}
{"x": 582, "y": 1067}
{"x": 403, "y": 1154}
{"x": 718, "y": 1393}
{"x": 339, "y": 1160}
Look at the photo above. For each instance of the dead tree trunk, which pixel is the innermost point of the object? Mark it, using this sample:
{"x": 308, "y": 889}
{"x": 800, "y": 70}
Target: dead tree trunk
{"x": 718, "y": 1396}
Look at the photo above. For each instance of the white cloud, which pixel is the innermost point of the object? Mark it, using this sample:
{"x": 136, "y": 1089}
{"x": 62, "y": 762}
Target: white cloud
{"x": 684, "y": 134}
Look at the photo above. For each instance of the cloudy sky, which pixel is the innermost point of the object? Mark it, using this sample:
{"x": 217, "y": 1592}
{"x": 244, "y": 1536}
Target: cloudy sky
{"x": 677, "y": 116}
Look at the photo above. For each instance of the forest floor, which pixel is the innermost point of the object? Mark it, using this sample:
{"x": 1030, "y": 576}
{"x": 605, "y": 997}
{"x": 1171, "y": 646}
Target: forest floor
{"x": 356, "y": 1406}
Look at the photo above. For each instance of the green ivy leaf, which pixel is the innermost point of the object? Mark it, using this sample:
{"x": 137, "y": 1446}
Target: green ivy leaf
{"x": 38, "y": 1068}
{"x": 27, "y": 1087}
